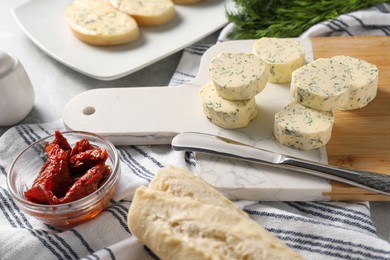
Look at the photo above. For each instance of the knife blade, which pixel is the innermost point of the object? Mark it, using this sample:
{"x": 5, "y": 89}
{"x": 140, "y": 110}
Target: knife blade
{"x": 218, "y": 145}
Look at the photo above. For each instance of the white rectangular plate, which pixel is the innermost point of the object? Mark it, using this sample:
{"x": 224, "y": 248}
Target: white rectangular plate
{"x": 44, "y": 23}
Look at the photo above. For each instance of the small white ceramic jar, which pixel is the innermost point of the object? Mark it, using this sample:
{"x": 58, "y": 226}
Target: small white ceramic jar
{"x": 16, "y": 91}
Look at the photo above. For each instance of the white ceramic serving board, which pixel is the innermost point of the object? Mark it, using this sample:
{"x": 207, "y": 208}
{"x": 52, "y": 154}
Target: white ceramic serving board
{"x": 154, "y": 115}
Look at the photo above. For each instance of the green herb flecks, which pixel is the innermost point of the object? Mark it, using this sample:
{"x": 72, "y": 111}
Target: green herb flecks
{"x": 254, "y": 19}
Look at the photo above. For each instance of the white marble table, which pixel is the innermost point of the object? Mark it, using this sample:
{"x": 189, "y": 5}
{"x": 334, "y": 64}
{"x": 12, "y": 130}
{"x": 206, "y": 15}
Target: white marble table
{"x": 55, "y": 84}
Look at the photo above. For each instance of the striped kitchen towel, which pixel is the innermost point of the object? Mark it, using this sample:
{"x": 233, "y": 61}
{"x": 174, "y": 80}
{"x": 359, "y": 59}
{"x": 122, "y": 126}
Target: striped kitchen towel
{"x": 317, "y": 230}
{"x": 372, "y": 21}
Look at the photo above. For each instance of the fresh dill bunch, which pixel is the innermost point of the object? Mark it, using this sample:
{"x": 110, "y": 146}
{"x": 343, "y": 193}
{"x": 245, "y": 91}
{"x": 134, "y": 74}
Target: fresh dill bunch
{"x": 254, "y": 19}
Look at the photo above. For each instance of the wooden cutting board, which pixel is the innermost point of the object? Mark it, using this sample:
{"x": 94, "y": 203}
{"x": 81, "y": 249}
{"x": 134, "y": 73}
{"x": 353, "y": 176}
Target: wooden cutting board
{"x": 360, "y": 138}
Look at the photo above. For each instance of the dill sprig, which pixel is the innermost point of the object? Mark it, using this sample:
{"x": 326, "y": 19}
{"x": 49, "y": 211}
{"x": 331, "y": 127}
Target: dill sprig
{"x": 254, "y": 19}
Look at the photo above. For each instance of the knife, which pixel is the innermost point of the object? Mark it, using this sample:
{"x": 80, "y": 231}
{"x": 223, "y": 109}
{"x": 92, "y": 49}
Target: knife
{"x": 217, "y": 145}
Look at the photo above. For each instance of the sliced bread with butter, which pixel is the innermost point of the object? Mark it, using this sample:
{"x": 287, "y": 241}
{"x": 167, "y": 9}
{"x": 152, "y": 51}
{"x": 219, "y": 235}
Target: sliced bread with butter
{"x": 95, "y": 22}
{"x": 147, "y": 12}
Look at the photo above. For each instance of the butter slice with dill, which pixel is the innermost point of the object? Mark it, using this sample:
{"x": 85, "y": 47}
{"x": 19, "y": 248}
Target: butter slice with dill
{"x": 238, "y": 76}
{"x": 303, "y": 128}
{"x": 364, "y": 82}
{"x": 226, "y": 113}
{"x": 97, "y": 23}
{"x": 322, "y": 84}
{"x": 282, "y": 57}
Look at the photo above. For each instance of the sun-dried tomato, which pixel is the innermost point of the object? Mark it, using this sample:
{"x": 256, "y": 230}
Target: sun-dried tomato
{"x": 86, "y": 185}
{"x": 81, "y": 146}
{"x": 82, "y": 161}
{"x": 59, "y": 179}
{"x": 54, "y": 178}
{"x": 61, "y": 141}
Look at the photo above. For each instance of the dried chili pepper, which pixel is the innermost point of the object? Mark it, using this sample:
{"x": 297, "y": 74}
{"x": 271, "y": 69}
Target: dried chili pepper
{"x": 59, "y": 179}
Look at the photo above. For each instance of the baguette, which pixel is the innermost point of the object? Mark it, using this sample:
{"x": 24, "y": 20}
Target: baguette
{"x": 180, "y": 183}
{"x": 198, "y": 223}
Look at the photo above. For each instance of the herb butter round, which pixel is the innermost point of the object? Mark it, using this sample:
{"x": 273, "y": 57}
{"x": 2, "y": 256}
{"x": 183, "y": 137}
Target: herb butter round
{"x": 281, "y": 56}
{"x": 238, "y": 76}
{"x": 303, "y": 128}
{"x": 226, "y": 113}
{"x": 322, "y": 84}
{"x": 364, "y": 82}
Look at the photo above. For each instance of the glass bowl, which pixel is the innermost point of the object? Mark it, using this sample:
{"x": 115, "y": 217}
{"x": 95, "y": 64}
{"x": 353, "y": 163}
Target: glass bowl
{"x": 26, "y": 166}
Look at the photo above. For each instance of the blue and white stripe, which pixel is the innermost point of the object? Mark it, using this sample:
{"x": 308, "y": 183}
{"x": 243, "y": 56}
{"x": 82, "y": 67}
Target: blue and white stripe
{"x": 317, "y": 230}
{"x": 372, "y": 21}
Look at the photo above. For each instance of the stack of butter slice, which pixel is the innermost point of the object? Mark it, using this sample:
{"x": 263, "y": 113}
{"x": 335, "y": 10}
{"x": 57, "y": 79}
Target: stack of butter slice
{"x": 318, "y": 88}
{"x": 179, "y": 216}
{"x": 229, "y": 99}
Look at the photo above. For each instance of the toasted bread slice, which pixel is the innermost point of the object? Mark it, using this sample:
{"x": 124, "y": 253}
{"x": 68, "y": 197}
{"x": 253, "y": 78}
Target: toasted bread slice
{"x": 97, "y": 23}
{"x": 146, "y": 12}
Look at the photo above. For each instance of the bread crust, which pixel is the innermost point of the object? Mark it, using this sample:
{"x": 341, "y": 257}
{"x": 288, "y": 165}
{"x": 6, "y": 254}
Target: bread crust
{"x": 106, "y": 40}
